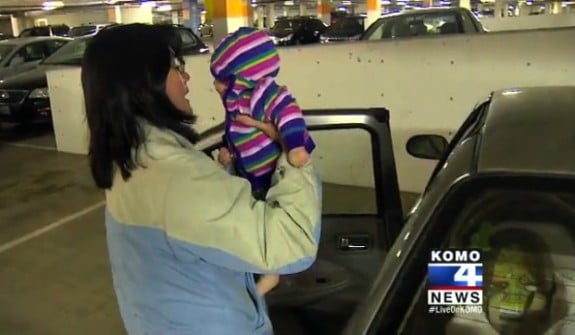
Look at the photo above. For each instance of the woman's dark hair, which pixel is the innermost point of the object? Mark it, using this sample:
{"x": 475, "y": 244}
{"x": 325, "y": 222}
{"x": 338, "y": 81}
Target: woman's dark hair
{"x": 124, "y": 75}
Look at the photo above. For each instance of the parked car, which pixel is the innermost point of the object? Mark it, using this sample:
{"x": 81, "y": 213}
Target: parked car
{"x": 424, "y": 22}
{"x": 20, "y": 54}
{"x": 50, "y": 30}
{"x": 297, "y": 30}
{"x": 346, "y": 28}
{"x": 4, "y": 36}
{"x": 90, "y": 29}
{"x": 206, "y": 29}
{"x": 503, "y": 185}
{"x": 24, "y": 98}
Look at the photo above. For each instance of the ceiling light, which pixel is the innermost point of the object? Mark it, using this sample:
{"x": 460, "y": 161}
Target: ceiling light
{"x": 49, "y": 5}
{"x": 164, "y": 8}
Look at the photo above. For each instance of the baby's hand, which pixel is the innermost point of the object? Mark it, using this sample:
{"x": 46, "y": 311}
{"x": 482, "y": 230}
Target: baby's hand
{"x": 298, "y": 157}
{"x": 225, "y": 157}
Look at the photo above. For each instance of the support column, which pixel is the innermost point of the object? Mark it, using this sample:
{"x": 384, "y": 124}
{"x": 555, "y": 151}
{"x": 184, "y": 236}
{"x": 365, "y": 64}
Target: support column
{"x": 302, "y": 8}
{"x": 500, "y": 9}
{"x": 465, "y": 4}
{"x": 250, "y": 15}
{"x": 229, "y": 15}
{"x": 373, "y": 11}
{"x": 191, "y": 15}
{"x": 17, "y": 24}
{"x": 209, "y": 6}
{"x": 115, "y": 14}
{"x": 133, "y": 14}
{"x": 260, "y": 13}
{"x": 324, "y": 11}
{"x": 270, "y": 15}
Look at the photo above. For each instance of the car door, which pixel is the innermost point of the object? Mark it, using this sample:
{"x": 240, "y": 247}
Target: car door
{"x": 361, "y": 217}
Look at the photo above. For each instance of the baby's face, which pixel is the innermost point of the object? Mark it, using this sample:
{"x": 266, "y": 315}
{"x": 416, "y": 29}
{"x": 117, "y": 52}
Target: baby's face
{"x": 220, "y": 87}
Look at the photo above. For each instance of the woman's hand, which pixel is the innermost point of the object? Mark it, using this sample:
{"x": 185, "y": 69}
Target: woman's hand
{"x": 297, "y": 157}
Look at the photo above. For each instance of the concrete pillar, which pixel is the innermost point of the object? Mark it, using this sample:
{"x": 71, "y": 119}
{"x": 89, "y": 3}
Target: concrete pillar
{"x": 270, "y": 15}
{"x": 260, "y": 16}
{"x": 465, "y": 4}
{"x": 324, "y": 11}
{"x": 209, "y": 7}
{"x": 115, "y": 14}
{"x": 302, "y": 8}
{"x": 17, "y": 25}
{"x": 191, "y": 14}
{"x": 373, "y": 11}
{"x": 229, "y": 15}
{"x": 134, "y": 14}
{"x": 175, "y": 18}
{"x": 500, "y": 9}
{"x": 250, "y": 15}
{"x": 556, "y": 7}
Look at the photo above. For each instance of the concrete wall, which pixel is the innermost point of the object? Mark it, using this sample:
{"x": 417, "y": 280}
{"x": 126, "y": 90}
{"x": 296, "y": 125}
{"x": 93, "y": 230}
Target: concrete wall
{"x": 529, "y": 22}
{"x": 76, "y": 17}
{"x": 430, "y": 85}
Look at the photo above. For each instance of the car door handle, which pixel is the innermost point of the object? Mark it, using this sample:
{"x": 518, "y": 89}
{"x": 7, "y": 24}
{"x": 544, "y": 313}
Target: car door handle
{"x": 356, "y": 242}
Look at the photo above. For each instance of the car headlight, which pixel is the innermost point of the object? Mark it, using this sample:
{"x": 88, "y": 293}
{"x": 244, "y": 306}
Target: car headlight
{"x": 285, "y": 38}
{"x": 39, "y": 93}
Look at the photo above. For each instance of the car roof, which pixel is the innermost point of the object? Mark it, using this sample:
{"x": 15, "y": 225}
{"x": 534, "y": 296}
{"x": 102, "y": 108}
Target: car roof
{"x": 529, "y": 130}
{"x": 26, "y": 40}
{"x": 423, "y": 10}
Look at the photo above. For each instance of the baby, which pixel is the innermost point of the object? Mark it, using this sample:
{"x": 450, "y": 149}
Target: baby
{"x": 244, "y": 65}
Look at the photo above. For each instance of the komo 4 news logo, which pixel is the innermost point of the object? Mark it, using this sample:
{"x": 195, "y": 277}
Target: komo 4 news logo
{"x": 455, "y": 282}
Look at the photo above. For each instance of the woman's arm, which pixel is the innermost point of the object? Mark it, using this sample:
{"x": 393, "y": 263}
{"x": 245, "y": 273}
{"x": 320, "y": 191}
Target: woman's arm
{"x": 212, "y": 215}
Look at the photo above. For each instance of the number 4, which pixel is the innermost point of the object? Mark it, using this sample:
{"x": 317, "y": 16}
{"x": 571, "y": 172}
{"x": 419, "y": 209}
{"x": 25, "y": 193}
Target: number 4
{"x": 467, "y": 274}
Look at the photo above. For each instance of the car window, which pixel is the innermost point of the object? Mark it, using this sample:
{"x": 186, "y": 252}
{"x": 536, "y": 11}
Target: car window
{"x": 425, "y": 24}
{"x": 82, "y": 30}
{"x": 60, "y": 30}
{"x": 348, "y": 182}
{"x": 52, "y": 46}
{"x": 5, "y": 50}
{"x": 526, "y": 234}
{"x": 188, "y": 39}
{"x": 29, "y": 53}
{"x": 469, "y": 25}
{"x": 69, "y": 54}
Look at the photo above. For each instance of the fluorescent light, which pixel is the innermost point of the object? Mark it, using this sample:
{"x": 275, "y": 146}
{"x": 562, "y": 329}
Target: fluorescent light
{"x": 148, "y": 4}
{"x": 164, "y": 8}
{"x": 49, "y": 5}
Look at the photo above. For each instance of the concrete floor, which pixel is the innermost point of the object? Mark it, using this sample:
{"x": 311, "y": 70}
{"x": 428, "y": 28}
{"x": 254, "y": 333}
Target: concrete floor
{"x": 54, "y": 271}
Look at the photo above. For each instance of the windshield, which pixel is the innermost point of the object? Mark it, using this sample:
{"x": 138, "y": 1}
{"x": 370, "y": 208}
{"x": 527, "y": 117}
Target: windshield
{"x": 350, "y": 24}
{"x": 286, "y": 26}
{"x": 5, "y": 50}
{"x": 82, "y": 31}
{"x": 69, "y": 54}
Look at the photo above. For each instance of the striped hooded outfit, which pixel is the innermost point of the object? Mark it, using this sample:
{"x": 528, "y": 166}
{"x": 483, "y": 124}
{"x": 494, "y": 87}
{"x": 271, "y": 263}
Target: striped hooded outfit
{"x": 248, "y": 62}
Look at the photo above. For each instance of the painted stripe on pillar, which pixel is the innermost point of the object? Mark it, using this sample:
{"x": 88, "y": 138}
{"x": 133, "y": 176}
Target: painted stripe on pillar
{"x": 209, "y": 6}
{"x": 373, "y": 5}
{"x": 229, "y": 8}
{"x": 323, "y": 8}
{"x": 111, "y": 11}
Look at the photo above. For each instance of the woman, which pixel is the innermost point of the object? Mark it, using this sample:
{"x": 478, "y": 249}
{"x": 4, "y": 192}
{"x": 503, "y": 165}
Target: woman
{"x": 184, "y": 236}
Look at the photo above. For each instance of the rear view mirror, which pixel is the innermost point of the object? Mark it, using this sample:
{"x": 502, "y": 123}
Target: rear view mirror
{"x": 427, "y": 146}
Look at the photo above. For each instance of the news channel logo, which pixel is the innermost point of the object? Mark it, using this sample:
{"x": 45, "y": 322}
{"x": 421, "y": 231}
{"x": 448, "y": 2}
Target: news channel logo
{"x": 455, "y": 283}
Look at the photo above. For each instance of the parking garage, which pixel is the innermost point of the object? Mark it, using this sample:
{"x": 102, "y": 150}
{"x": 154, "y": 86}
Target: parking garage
{"x": 54, "y": 267}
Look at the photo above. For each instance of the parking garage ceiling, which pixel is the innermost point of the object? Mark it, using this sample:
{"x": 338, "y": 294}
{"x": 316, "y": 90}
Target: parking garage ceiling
{"x": 30, "y": 5}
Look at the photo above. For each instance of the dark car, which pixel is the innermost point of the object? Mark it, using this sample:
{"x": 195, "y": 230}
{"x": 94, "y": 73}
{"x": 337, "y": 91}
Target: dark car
{"x": 424, "y": 22}
{"x": 50, "y": 30}
{"x": 346, "y": 28}
{"x": 24, "y": 97}
{"x": 21, "y": 54}
{"x": 297, "y": 30}
{"x": 504, "y": 187}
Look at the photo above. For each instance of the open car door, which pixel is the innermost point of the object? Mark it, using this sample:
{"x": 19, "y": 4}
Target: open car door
{"x": 362, "y": 216}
